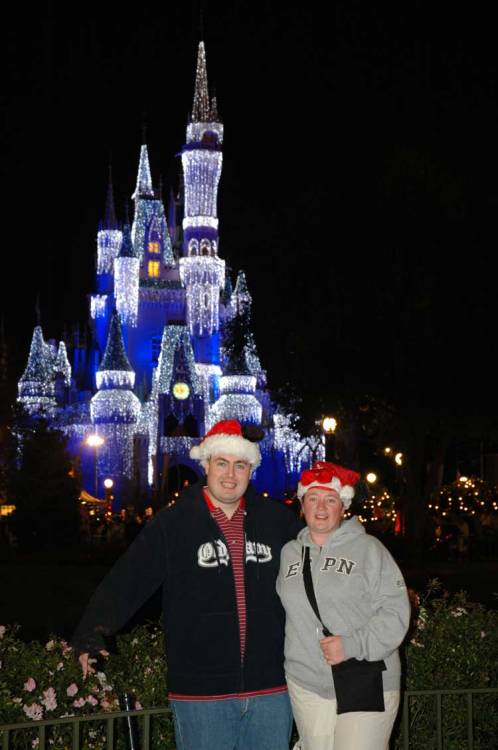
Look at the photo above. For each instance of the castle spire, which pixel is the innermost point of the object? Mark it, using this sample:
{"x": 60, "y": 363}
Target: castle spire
{"x": 36, "y": 386}
{"x": 144, "y": 187}
{"x": 110, "y": 219}
{"x": 115, "y": 357}
{"x": 201, "y": 109}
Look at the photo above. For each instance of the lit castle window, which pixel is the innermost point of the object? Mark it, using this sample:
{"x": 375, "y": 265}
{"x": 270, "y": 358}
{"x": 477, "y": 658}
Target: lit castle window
{"x": 153, "y": 269}
{"x": 154, "y": 247}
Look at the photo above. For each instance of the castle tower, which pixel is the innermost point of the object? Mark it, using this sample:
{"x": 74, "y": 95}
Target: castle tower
{"x": 36, "y": 387}
{"x": 149, "y": 232}
{"x": 115, "y": 409}
{"x": 126, "y": 280}
{"x": 108, "y": 242}
{"x": 109, "y": 239}
{"x": 201, "y": 270}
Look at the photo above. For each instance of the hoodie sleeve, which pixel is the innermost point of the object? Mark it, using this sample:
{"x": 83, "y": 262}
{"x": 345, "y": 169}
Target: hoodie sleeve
{"x": 132, "y": 580}
{"x": 388, "y": 625}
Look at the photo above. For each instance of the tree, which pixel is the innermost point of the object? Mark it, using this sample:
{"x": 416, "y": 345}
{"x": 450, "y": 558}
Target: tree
{"x": 44, "y": 487}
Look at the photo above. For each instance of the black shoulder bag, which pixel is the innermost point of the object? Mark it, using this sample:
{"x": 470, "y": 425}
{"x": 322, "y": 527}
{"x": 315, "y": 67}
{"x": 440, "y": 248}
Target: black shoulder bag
{"x": 357, "y": 683}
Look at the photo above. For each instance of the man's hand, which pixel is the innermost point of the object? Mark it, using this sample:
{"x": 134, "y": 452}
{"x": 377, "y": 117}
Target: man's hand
{"x": 86, "y": 662}
{"x": 332, "y": 649}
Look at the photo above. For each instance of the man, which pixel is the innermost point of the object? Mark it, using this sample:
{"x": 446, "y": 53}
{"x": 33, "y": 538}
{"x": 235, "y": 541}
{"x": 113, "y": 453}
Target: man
{"x": 216, "y": 555}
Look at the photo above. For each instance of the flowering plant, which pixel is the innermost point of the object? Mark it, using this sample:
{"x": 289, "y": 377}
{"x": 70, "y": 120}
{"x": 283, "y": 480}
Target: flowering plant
{"x": 45, "y": 681}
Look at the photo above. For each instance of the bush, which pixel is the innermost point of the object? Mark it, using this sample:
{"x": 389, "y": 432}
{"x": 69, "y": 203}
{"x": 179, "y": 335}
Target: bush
{"x": 453, "y": 644}
{"x": 45, "y": 682}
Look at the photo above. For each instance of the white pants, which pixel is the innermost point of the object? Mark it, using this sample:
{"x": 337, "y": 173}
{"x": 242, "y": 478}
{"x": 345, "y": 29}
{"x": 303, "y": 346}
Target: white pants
{"x": 320, "y": 728}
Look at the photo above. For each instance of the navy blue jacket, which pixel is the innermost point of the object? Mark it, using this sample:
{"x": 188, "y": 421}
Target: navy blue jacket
{"x": 182, "y": 550}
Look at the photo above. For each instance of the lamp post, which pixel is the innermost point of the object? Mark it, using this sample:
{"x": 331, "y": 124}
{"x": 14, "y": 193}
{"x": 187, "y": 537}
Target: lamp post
{"x": 95, "y": 441}
{"x": 108, "y": 485}
{"x": 329, "y": 426}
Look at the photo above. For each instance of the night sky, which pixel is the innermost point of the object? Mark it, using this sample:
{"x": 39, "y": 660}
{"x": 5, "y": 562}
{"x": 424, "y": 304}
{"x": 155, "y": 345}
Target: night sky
{"x": 359, "y": 190}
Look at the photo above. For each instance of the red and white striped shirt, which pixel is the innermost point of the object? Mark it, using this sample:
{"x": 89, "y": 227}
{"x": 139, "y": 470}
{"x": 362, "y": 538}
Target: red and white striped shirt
{"x": 233, "y": 531}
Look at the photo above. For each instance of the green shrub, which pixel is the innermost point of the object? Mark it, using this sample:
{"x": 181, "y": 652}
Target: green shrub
{"x": 453, "y": 644}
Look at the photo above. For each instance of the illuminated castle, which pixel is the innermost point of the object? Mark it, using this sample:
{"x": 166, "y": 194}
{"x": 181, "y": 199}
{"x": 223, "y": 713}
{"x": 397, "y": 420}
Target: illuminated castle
{"x": 171, "y": 350}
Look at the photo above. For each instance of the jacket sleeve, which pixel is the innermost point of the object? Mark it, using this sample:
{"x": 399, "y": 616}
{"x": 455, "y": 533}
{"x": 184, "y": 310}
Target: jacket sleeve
{"x": 388, "y": 625}
{"x": 132, "y": 580}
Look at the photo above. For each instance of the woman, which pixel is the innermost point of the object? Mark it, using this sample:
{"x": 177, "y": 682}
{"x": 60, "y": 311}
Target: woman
{"x": 362, "y": 601}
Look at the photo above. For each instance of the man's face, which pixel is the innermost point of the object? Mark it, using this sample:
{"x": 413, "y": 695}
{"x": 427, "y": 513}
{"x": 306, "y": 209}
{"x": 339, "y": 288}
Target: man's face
{"x": 227, "y": 479}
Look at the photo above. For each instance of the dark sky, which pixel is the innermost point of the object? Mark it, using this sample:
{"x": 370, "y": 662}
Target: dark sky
{"x": 359, "y": 187}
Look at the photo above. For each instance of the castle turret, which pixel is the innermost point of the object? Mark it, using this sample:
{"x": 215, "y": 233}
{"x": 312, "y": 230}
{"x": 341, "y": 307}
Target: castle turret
{"x": 36, "y": 387}
{"x": 149, "y": 233}
{"x": 62, "y": 366}
{"x": 126, "y": 280}
{"x": 108, "y": 242}
{"x": 202, "y": 271}
{"x": 114, "y": 409}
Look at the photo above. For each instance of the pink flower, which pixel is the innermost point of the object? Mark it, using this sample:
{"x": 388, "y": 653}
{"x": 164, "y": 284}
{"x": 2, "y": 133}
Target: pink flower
{"x": 49, "y": 699}
{"x": 138, "y": 706}
{"x": 3, "y": 630}
{"x": 35, "y": 711}
{"x": 79, "y": 702}
{"x": 92, "y": 700}
{"x": 72, "y": 689}
{"x": 29, "y": 685}
{"x": 35, "y": 742}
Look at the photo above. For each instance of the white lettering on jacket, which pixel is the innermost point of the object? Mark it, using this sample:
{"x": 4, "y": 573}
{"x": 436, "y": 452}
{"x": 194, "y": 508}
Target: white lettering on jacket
{"x": 340, "y": 565}
{"x": 209, "y": 557}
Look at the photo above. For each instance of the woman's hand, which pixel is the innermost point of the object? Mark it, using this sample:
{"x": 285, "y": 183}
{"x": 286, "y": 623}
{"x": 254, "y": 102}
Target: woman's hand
{"x": 332, "y": 649}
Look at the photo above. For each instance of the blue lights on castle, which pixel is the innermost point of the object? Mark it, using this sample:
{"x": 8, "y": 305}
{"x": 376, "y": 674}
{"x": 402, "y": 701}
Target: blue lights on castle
{"x": 171, "y": 350}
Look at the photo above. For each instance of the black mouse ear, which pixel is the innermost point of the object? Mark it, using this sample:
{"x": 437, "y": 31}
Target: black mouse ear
{"x": 253, "y": 432}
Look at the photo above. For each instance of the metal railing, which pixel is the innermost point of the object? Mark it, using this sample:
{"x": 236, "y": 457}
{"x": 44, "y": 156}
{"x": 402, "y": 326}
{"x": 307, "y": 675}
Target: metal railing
{"x": 108, "y": 719}
{"x": 406, "y": 735}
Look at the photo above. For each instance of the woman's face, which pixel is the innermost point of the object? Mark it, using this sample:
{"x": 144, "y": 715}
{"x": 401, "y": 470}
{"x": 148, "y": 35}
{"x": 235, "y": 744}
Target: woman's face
{"x": 323, "y": 511}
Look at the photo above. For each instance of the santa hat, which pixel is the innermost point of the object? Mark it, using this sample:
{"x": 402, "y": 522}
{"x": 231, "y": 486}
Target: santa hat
{"x": 327, "y": 476}
{"x": 226, "y": 437}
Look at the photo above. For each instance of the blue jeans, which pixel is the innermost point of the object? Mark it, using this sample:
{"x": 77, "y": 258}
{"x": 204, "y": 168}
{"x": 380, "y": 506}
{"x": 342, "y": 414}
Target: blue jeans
{"x": 260, "y": 723}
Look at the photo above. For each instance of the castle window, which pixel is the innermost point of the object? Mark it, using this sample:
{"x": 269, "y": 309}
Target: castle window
{"x": 191, "y": 427}
{"x": 153, "y": 269}
{"x": 154, "y": 247}
{"x": 171, "y": 426}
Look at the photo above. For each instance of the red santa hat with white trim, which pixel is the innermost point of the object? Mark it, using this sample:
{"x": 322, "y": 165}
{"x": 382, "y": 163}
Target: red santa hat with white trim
{"x": 328, "y": 476}
{"x": 227, "y": 437}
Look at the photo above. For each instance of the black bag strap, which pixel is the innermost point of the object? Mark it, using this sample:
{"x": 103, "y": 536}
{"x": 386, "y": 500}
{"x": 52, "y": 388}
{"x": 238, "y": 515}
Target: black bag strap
{"x": 310, "y": 591}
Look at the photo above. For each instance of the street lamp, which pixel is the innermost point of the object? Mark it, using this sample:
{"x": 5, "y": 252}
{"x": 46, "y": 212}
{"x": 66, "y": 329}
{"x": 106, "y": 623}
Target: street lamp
{"x": 371, "y": 477}
{"x": 329, "y": 426}
{"x": 108, "y": 485}
{"x": 95, "y": 441}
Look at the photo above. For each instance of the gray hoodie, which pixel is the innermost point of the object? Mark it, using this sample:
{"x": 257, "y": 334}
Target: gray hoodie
{"x": 361, "y": 596}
